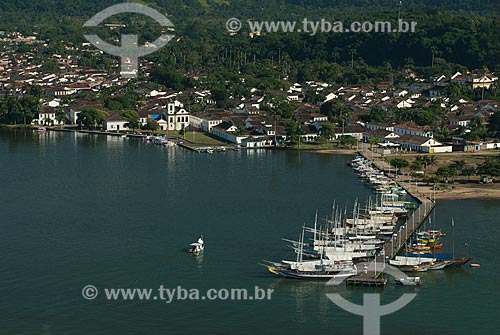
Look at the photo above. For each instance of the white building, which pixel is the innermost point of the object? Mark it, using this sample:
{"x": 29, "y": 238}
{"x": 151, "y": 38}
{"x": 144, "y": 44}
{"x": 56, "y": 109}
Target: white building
{"x": 228, "y": 132}
{"x": 178, "y": 119}
{"x": 422, "y": 144}
{"x": 414, "y": 130}
{"x": 205, "y": 121}
{"x": 170, "y": 116}
{"x": 115, "y": 123}
{"x": 47, "y": 117}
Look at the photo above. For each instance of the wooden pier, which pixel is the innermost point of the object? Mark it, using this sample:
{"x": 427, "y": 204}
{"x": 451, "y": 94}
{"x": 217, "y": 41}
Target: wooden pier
{"x": 187, "y": 145}
{"x": 369, "y": 278}
{"x": 405, "y": 231}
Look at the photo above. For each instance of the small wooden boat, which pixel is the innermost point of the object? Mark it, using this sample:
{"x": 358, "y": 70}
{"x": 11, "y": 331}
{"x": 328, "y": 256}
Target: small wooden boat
{"x": 440, "y": 265}
{"x": 475, "y": 265}
{"x": 458, "y": 262}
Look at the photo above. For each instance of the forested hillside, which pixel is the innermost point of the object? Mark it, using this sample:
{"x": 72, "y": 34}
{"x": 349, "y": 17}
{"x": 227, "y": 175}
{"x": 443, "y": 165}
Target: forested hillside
{"x": 450, "y": 35}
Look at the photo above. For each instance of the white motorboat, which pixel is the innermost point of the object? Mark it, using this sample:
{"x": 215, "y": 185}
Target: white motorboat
{"x": 197, "y": 247}
{"x": 409, "y": 281}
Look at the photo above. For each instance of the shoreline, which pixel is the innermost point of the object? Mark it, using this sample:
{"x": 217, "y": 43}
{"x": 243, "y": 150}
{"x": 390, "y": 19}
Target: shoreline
{"x": 457, "y": 191}
{"x": 449, "y": 191}
{"x": 335, "y": 151}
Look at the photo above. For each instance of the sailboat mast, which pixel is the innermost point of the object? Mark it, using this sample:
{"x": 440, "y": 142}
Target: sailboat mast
{"x": 302, "y": 245}
{"x": 333, "y": 213}
{"x": 453, "y": 236}
{"x": 298, "y": 250}
{"x": 315, "y": 224}
{"x": 322, "y": 245}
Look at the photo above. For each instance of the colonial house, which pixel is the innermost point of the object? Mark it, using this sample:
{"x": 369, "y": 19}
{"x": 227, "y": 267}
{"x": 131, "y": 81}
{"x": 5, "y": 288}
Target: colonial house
{"x": 408, "y": 103}
{"x": 476, "y": 79}
{"x": 115, "y": 122}
{"x": 458, "y": 78}
{"x": 162, "y": 124}
{"x": 400, "y": 93}
{"x": 422, "y": 144}
{"x": 482, "y": 80}
{"x": 204, "y": 97}
{"x": 442, "y": 81}
{"x": 254, "y": 102}
{"x": 46, "y": 117}
{"x": 228, "y": 132}
{"x": 310, "y": 133}
{"x": 377, "y": 126}
{"x": 295, "y": 97}
{"x": 144, "y": 116}
{"x": 295, "y": 88}
{"x": 205, "y": 122}
{"x": 385, "y": 136}
{"x": 462, "y": 120}
{"x": 251, "y": 110}
{"x": 353, "y": 131}
{"x": 60, "y": 91}
{"x": 316, "y": 117}
{"x": 257, "y": 142}
{"x": 411, "y": 128}
{"x": 170, "y": 116}
{"x": 330, "y": 96}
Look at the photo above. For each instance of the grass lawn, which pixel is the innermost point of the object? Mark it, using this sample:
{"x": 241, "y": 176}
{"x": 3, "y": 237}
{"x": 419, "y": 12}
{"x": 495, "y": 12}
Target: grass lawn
{"x": 201, "y": 138}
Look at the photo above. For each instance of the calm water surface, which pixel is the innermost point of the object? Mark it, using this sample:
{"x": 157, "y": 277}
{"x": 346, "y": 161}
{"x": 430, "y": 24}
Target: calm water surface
{"x": 80, "y": 209}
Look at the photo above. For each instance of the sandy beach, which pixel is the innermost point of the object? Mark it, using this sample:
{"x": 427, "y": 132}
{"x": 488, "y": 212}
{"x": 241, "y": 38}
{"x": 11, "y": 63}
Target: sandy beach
{"x": 452, "y": 191}
{"x": 456, "y": 191}
{"x": 337, "y": 151}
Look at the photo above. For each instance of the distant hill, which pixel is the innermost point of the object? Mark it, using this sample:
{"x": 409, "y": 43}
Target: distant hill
{"x": 458, "y": 31}
{"x": 87, "y": 7}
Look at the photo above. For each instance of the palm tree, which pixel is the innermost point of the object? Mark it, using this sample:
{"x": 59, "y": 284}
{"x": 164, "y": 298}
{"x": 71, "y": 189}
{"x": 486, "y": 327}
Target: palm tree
{"x": 459, "y": 165}
{"x": 430, "y": 160}
{"x": 373, "y": 141}
{"x": 61, "y": 117}
{"x": 352, "y": 51}
{"x": 29, "y": 107}
{"x": 435, "y": 52}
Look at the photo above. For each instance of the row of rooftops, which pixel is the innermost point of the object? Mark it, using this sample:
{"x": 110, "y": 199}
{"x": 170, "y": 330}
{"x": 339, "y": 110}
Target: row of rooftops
{"x": 21, "y": 69}
{"x": 18, "y": 70}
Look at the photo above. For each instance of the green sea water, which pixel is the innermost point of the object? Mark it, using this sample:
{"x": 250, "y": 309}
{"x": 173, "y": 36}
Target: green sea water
{"x": 81, "y": 210}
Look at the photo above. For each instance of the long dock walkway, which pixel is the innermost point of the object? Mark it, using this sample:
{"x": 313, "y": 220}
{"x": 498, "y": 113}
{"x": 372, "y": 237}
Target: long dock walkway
{"x": 406, "y": 231}
{"x": 417, "y": 217}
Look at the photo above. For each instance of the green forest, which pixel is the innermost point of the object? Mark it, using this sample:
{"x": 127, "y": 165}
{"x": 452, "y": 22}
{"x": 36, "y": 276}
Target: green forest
{"x": 450, "y": 36}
